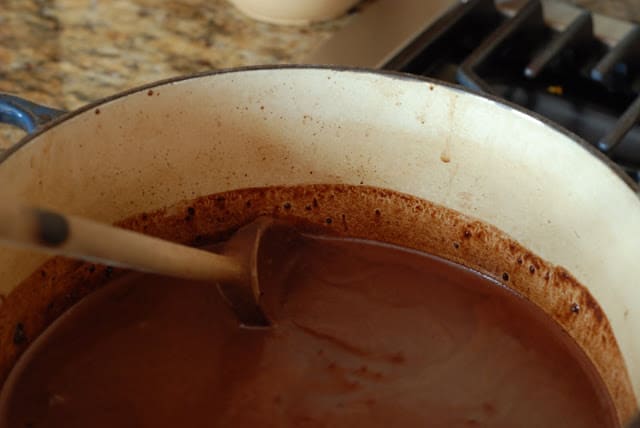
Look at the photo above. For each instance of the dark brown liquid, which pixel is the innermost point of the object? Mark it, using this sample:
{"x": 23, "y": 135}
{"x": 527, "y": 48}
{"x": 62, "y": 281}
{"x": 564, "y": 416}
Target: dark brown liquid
{"x": 365, "y": 335}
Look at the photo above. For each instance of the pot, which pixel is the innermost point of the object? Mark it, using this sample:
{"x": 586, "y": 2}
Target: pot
{"x": 505, "y": 192}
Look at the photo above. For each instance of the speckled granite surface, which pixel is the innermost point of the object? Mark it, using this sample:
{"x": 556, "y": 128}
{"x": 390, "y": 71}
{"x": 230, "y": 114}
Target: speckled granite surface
{"x": 65, "y": 53}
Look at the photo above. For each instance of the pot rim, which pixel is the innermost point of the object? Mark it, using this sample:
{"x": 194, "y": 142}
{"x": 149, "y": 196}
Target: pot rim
{"x": 617, "y": 170}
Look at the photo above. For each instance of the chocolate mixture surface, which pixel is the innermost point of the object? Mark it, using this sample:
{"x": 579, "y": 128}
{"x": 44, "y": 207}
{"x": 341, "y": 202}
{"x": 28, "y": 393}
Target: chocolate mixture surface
{"x": 364, "y": 335}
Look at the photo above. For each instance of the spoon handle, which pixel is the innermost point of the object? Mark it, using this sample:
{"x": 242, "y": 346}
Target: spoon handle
{"x": 55, "y": 233}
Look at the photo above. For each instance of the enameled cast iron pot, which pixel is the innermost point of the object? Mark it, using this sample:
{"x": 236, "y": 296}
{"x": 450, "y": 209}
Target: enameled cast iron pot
{"x": 573, "y": 219}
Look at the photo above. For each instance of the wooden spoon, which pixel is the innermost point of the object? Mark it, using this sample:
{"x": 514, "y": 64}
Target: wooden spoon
{"x": 235, "y": 271}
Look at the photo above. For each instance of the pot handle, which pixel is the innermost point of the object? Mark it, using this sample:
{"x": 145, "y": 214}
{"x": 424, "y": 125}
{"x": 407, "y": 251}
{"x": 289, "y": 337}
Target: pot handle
{"x": 24, "y": 114}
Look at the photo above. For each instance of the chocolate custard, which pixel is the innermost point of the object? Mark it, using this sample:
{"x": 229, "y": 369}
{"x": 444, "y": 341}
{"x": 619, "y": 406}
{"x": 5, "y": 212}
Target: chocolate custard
{"x": 363, "y": 335}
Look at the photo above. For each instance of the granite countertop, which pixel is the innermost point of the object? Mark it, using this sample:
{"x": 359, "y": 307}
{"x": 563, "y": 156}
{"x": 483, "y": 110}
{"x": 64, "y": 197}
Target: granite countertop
{"x": 66, "y": 53}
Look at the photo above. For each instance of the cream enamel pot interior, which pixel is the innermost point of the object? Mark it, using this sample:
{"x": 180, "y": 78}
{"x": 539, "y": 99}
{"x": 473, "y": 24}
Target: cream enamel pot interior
{"x": 161, "y": 144}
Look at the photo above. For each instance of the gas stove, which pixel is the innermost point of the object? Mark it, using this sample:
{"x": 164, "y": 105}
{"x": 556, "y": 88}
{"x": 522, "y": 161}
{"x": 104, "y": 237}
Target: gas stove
{"x": 577, "y": 68}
